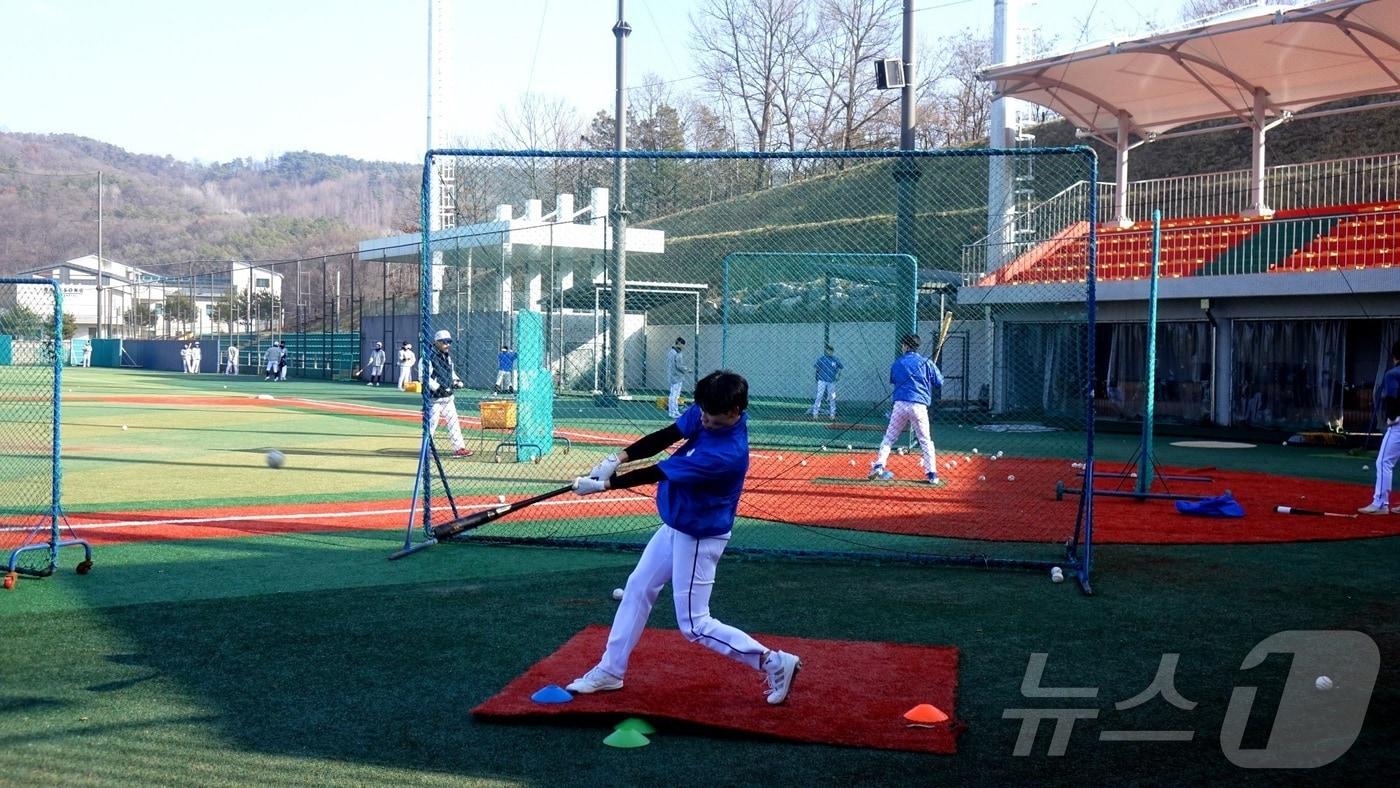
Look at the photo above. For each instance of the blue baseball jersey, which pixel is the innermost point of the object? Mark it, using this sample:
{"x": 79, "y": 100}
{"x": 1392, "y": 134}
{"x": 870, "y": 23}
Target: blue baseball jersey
{"x": 505, "y": 360}
{"x": 700, "y": 494}
{"x": 914, "y": 378}
{"x": 1389, "y": 399}
{"x": 828, "y": 368}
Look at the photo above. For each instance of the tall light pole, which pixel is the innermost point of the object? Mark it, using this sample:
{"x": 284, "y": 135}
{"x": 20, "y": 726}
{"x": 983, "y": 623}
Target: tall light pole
{"x": 99, "y": 254}
{"x": 906, "y": 177}
{"x": 619, "y": 213}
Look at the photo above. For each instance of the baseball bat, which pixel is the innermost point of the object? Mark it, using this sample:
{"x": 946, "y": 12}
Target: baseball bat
{"x": 478, "y": 519}
{"x": 1312, "y": 512}
{"x": 943, "y": 331}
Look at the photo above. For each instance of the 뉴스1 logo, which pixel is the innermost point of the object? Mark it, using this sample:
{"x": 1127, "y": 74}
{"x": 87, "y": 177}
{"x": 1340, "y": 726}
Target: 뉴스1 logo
{"x": 1320, "y": 711}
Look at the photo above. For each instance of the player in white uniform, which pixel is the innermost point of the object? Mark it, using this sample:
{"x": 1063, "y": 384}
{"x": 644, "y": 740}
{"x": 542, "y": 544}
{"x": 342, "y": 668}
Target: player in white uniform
{"x": 1389, "y": 452}
{"x": 196, "y": 357}
{"x": 442, "y": 380}
{"x": 375, "y": 367}
{"x": 185, "y": 358}
{"x": 87, "y": 354}
{"x": 406, "y": 362}
{"x": 676, "y": 370}
{"x": 270, "y": 361}
{"x": 282, "y": 361}
{"x": 231, "y": 368}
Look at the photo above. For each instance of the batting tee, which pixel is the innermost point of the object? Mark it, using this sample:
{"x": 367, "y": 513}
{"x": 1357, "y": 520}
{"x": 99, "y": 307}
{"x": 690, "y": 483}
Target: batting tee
{"x": 801, "y": 251}
{"x": 31, "y": 372}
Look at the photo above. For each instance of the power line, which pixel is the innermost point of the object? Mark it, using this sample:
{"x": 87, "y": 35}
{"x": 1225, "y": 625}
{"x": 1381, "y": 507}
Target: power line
{"x": 539, "y": 35}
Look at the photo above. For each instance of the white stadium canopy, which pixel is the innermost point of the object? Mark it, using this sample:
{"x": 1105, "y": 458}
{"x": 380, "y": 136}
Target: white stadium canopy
{"x": 1259, "y": 67}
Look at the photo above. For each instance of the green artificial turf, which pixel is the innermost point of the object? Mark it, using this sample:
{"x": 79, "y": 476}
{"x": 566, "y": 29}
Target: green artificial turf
{"x": 310, "y": 658}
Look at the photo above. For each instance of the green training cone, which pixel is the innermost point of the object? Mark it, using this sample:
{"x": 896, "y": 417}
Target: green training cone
{"x": 635, "y": 724}
{"x": 626, "y": 739}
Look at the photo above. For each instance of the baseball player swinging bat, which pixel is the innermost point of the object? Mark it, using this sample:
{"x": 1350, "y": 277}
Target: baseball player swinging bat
{"x": 478, "y": 519}
{"x": 1312, "y": 512}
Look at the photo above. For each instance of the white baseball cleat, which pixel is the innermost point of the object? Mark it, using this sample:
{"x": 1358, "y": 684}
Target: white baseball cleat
{"x": 1374, "y": 509}
{"x": 595, "y": 680}
{"x": 781, "y": 668}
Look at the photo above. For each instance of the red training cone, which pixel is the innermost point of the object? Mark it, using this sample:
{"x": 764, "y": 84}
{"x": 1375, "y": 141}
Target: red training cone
{"x": 925, "y": 715}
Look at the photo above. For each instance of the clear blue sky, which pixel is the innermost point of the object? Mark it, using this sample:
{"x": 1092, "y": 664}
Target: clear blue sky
{"x": 217, "y": 80}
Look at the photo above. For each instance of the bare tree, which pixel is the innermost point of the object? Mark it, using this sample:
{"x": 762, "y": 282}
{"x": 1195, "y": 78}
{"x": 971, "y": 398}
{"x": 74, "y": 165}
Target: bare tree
{"x": 1192, "y": 10}
{"x": 540, "y": 122}
{"x": 749, "y": 52}
{"x": 956, "y": 103}
{"x": 846, "y": 113}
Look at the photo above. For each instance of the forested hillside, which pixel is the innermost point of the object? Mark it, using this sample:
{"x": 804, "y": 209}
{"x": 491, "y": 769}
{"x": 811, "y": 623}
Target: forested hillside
{"x": 157, "y": 210}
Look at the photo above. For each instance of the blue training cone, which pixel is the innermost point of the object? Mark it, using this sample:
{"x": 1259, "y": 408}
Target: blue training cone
{"x": 551, "y": 693}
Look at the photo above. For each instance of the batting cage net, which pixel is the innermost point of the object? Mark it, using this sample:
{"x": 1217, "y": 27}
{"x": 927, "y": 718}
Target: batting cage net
{"x": 31, "y": 365}
{"x": 584, "y": 295}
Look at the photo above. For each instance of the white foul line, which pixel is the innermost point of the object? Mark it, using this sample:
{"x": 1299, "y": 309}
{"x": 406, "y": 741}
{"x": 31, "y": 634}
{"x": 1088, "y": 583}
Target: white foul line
{"x": 311, "y": 515}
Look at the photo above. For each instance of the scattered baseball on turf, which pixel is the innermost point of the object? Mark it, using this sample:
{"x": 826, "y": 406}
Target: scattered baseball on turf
{"x": 1323, "y": 683}
{"x": 617, "y": 594}
{"x": 823, "y": 448}
{"x": 123, "y": 428}
{"x": 500, "y": 499}
{"x": 953, "y": 463}
{"x": 1011, "y": 478}
{"x": 999, "y": 453}
{"x": 275, "y": 459}
{"x": 967, "y": 458}
{"x": 803, "y": 463}
{"x": 849, "y": 447}
{"x": 981, "y": 478}
{"x": 853, "y": 462}
{"x": 1365, "y": 467}
{"x": 1057, "y": 575}
{"x": 974, "y": 449}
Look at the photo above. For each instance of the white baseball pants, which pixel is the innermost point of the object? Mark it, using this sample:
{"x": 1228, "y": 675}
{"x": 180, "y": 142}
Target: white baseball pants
{"x": 689, "y": 564}
{"x": 673, "y": 406}
{"x": 231, "y": 368}
{"x": 405, "y": 375}
{"x": 1385, "y": 465}
{"x": 446, "y": 408}
{"x": 825, "y": 389}
{"x": 902, "y": 415}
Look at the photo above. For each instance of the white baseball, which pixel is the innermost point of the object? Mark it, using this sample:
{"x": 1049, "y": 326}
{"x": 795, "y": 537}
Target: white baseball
{"x": 617, "y": 594}
{"x": 1365, "y": 467}
{"x": 1323, "y": 683}
{"x": 123, "y": 428}
{"x": 823, "y": 448}
{"x": 853, "y": 462}
{"x": 999, "y": 453}
{"x": 849, "y": 447}
{"x": 1057, "y": 575}
{"x": 803, "y": 463}
{"x": 1011, "y": 478}
{"x": 981, "y": 478}
{"x": 780, "y": 458}
{"x": 974, "y": 449}
{"x": 500, "y": 499}
{"x": 275, "y": 459}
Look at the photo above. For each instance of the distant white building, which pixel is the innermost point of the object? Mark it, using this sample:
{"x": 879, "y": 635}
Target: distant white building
{"x": 124, "y": 287}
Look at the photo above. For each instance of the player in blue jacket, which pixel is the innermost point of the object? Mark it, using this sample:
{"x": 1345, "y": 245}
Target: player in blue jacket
{"x": 914, "y": 378}
{"x": 828, "y": 369}
{"x": 1389, "y": 452}
{"x": 505, "y": 369}
{"x": 697, "y": 495}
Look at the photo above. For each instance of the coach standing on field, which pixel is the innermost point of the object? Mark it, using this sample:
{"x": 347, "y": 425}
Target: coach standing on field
{"x": 676, "y": 370}
{"x": 442, "y": 382}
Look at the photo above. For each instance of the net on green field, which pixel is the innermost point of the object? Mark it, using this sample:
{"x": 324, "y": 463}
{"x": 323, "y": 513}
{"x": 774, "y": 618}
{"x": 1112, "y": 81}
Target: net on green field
{"x": 30, "y": 355}
{"x": 802, "y": 273}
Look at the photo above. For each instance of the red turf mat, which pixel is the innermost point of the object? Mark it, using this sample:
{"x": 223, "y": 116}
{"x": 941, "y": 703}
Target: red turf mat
{"x": 848, "y": 692}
